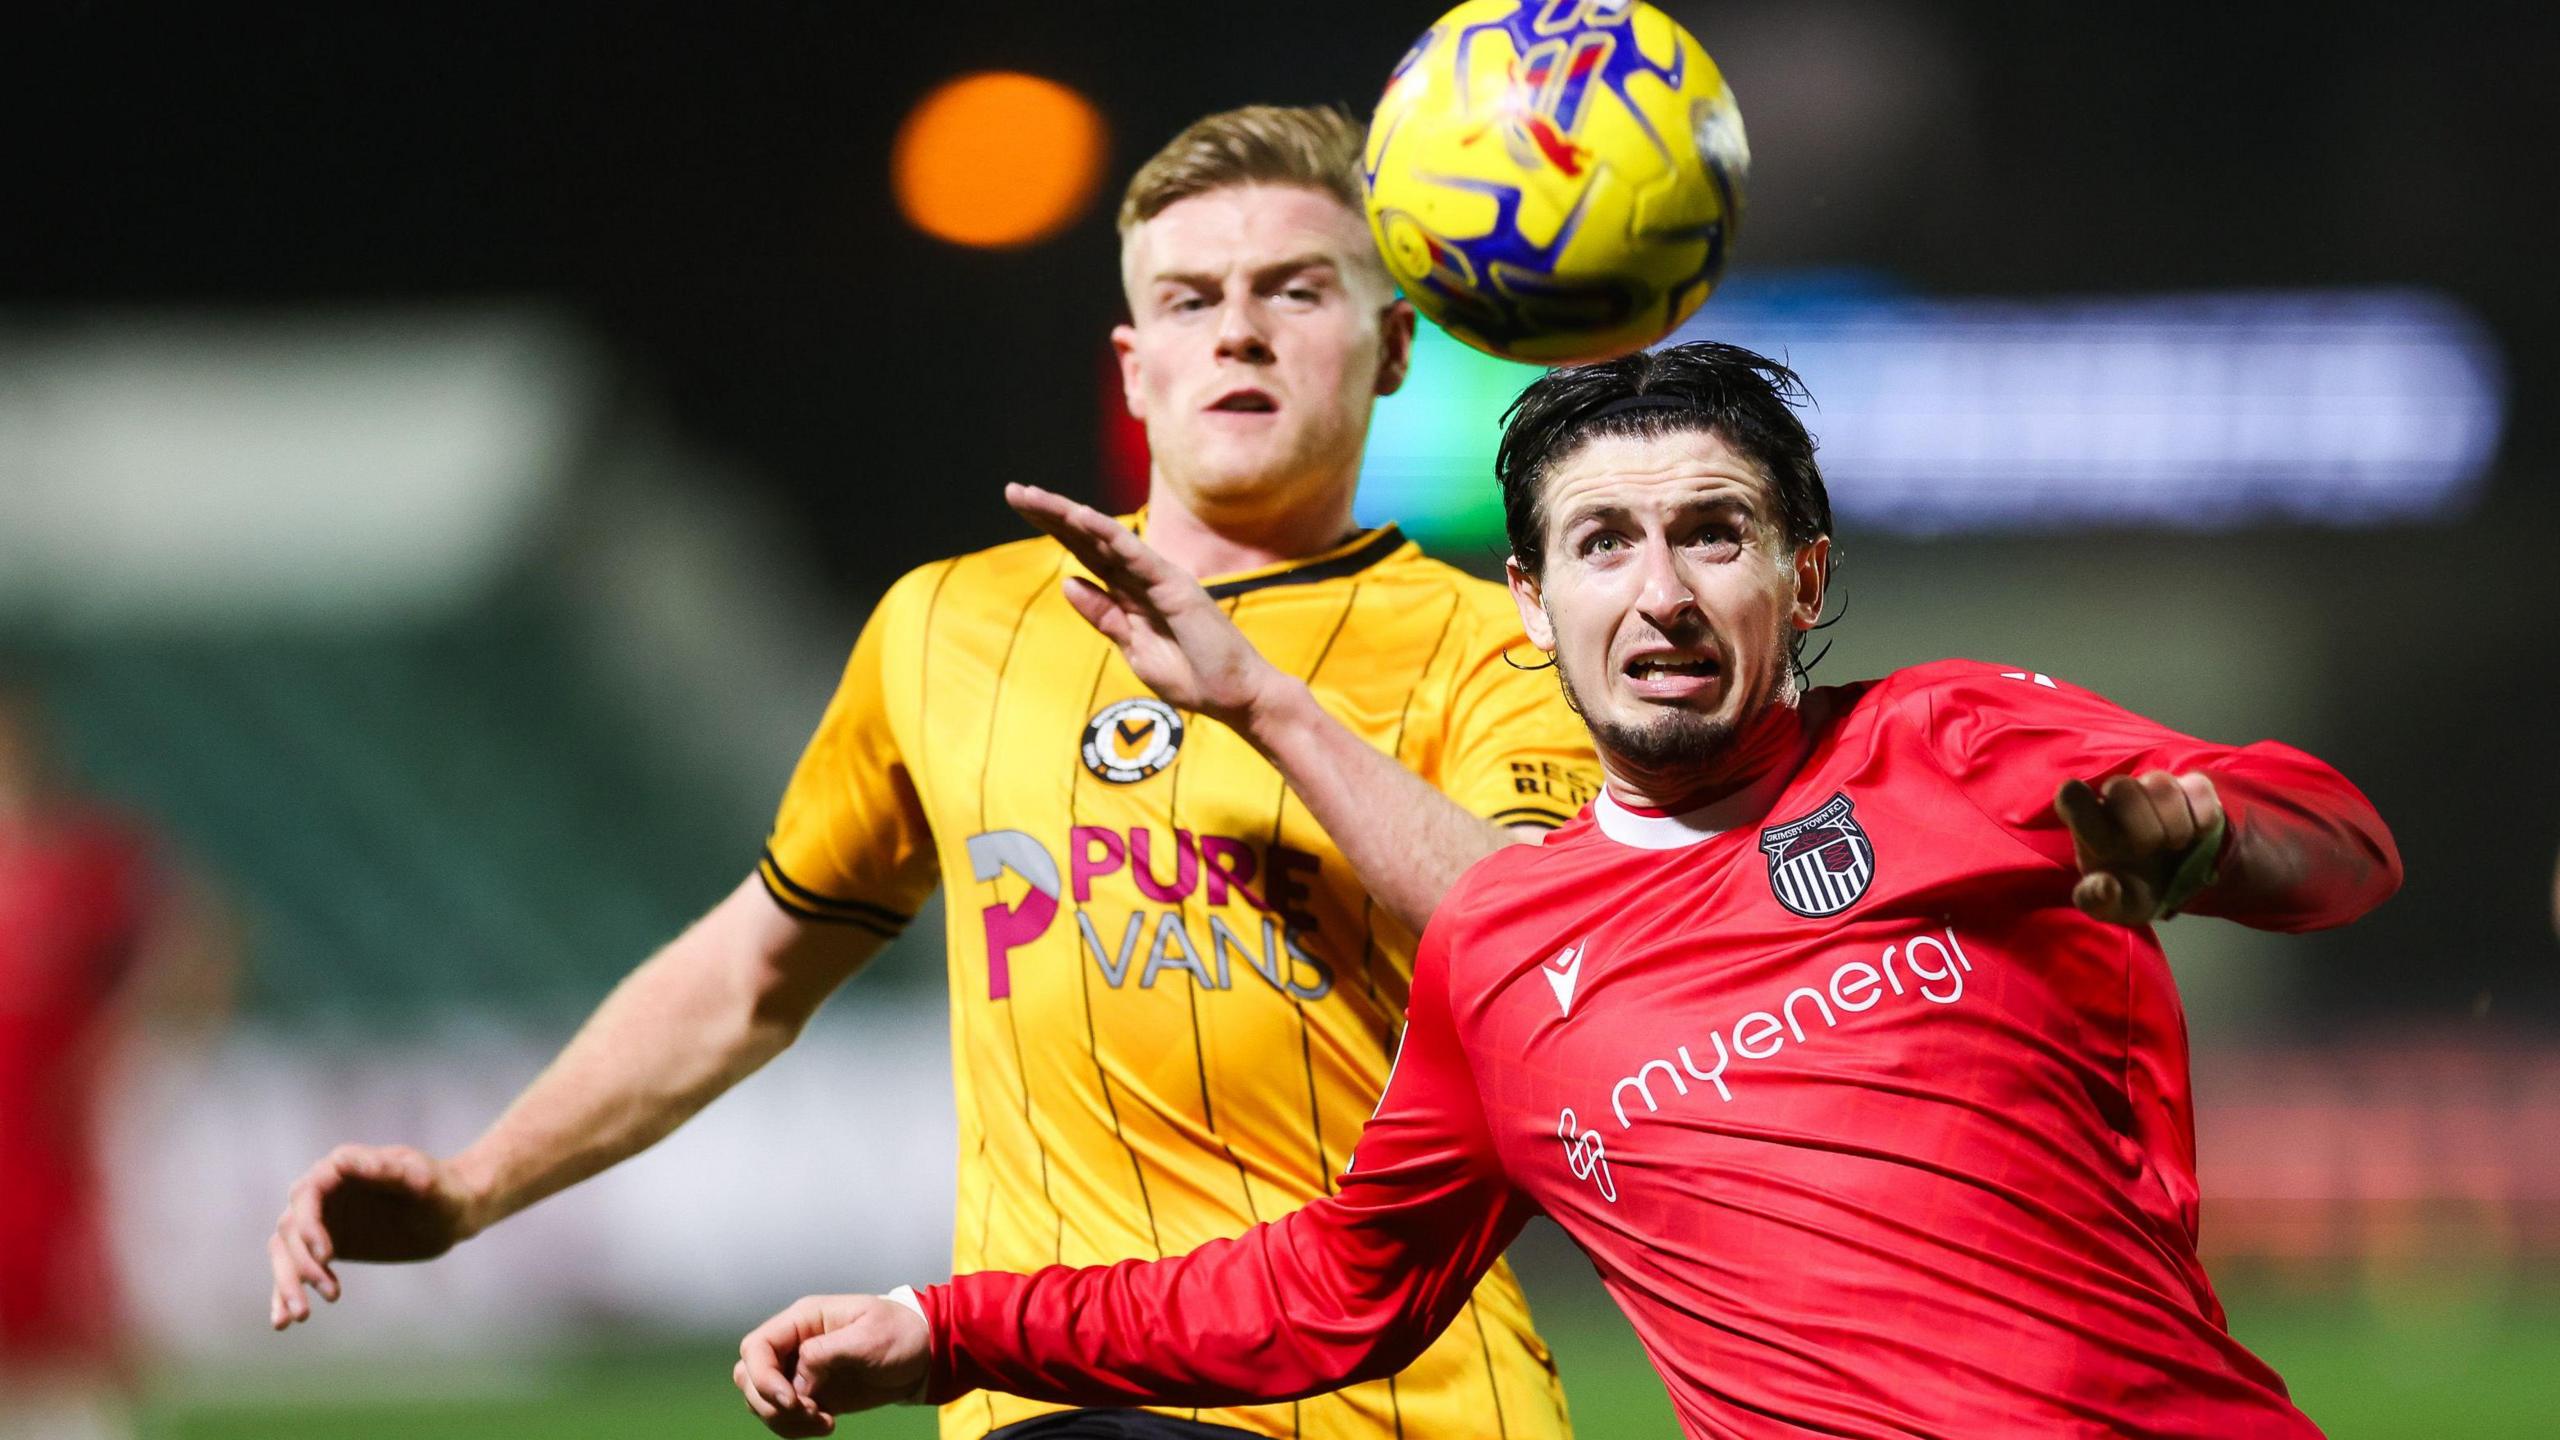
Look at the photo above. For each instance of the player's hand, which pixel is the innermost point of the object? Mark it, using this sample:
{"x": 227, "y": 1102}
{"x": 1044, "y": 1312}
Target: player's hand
{"x": 362, "y": 1202}
{"x": 1177, "y": 639}
{"x": 2129, "y": 834}
{"x": 830, "y": 1355}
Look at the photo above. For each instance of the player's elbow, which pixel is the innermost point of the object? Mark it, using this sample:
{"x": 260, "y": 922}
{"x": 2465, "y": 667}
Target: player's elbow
{"x": 2354, "y": 882}
{"x": 2388, "y": 873}
{"x": 2370, "y": 862}
{"x": 2308, "y": 850}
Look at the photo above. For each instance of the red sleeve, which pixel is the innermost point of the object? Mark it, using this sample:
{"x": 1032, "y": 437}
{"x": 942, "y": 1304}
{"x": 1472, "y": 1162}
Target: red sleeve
{"x": 1349, "y": 1288}
{"x": 2305, "y": 849}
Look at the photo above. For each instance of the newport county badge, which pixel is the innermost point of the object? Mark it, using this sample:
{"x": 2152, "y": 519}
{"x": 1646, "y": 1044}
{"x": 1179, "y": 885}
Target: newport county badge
{"x": 1821, "y": 864}
{"x": 1130, "y": 740}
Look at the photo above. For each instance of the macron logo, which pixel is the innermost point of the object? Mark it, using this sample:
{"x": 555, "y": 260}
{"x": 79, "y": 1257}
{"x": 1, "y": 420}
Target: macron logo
{"x": 1561, "y": 972}
{"x": 2037, "y": 677}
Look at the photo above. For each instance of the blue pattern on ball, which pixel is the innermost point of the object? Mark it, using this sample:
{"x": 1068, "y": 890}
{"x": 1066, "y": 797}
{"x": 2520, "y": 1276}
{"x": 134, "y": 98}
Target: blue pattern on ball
{"x": 1500, "y": 285}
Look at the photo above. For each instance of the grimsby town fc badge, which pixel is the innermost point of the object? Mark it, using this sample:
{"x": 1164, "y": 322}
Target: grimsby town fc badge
{"x": 1821, "y": 864}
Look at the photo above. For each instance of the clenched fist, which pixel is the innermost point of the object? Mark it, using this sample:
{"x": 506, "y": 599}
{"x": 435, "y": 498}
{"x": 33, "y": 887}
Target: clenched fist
{"x": 829, "y": 1355}
{"x": 2134, "y": 835}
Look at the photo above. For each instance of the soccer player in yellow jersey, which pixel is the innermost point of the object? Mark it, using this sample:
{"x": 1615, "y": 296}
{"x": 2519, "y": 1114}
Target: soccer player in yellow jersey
{"x": 1187, "y": 831}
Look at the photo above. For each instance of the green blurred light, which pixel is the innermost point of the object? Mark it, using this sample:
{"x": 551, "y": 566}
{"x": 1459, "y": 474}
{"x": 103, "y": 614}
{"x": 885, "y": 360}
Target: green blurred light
{"x": 1429, "y": 465}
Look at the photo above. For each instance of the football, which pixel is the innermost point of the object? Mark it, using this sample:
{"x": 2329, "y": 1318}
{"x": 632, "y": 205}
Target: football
{"x": 1556, "y": 180}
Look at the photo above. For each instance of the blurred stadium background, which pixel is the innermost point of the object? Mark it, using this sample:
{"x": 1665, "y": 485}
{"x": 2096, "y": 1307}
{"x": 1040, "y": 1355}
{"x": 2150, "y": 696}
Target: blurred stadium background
{"x": 443, "y": 460}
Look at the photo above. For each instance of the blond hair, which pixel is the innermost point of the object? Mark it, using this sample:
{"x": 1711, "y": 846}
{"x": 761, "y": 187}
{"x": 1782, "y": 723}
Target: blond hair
{"x": 1315, "y": 146}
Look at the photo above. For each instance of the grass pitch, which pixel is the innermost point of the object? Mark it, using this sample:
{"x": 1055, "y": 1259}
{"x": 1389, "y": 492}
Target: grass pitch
{"x": 2449, "y": 1364}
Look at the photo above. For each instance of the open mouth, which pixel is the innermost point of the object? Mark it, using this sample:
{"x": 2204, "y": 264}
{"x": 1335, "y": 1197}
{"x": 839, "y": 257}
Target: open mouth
{"x": 1663, "y": 667}
{"x": 1246, "y": 402}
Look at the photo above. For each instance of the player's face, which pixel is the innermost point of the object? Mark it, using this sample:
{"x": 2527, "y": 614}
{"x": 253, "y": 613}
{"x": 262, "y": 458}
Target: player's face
{"x": 1668, "y": 596}
{"x": 1262, "y": 331}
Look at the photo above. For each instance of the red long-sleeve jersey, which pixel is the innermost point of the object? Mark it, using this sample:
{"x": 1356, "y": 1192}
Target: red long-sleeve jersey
{"x": 1868, "y": 1130}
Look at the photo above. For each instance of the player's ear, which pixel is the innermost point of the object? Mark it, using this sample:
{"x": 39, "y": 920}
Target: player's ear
{"x": 1526, "y": 594}
{"x": 1395, "y": 345}
{"x": 1124, "y": 346}
{"x": 1812, "y": 568}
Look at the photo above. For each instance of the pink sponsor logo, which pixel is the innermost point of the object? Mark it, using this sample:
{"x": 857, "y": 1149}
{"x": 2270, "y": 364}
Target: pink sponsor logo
{"x": 1167, "y": 869}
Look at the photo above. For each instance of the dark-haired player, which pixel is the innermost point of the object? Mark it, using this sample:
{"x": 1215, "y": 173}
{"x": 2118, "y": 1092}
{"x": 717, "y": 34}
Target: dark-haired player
{"x": 1835, "y": 1031}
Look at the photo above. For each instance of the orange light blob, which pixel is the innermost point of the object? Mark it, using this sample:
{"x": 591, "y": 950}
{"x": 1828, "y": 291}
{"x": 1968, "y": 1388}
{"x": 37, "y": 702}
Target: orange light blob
{"x": 997, "y": 159}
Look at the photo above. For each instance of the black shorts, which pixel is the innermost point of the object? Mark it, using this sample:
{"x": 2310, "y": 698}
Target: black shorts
{"x": 1117, "y": 1425}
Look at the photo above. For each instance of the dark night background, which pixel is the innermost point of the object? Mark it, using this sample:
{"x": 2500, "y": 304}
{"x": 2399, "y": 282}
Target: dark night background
{"x": 706, "y": 187}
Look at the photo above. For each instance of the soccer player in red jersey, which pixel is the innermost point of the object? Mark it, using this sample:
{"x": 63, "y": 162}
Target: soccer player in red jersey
{"x": 1836, "y": 1031}
{"x": 97, "y": 931}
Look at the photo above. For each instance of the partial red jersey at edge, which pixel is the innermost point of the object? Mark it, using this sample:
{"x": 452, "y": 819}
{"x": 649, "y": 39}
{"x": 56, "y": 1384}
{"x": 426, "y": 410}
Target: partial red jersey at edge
{"x": 1866, "y": 1128}
{"x": 73, "y": 892}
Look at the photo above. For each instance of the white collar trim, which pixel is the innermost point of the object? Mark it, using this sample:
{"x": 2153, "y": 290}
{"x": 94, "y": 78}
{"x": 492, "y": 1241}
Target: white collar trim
{"x": 1689, "y": 827}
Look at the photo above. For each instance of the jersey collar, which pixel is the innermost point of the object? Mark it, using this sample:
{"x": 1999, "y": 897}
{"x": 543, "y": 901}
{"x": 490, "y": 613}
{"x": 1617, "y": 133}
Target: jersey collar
{"x": 1657, "y": 830}
{"x": 1352, "y": 556}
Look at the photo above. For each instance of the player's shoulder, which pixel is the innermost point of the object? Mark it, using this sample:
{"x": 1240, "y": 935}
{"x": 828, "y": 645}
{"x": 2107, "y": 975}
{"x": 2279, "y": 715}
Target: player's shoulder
{"x": 1033, "y": 557}
{"x": 1990, "y": 678}
{"x": 1405, "y": 562}
{"x": 1941, "y": 688}
{"x": 1520, "y": 879}
{"x": 997, "y": 573}
{"x": 1477, "y": 602}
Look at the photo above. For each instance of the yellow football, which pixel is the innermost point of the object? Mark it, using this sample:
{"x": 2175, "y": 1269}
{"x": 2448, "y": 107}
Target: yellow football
{"x": 1556, "y": 180}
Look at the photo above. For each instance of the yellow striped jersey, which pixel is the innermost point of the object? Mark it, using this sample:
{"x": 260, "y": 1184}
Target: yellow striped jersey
{"x": 1173, "y": 1006}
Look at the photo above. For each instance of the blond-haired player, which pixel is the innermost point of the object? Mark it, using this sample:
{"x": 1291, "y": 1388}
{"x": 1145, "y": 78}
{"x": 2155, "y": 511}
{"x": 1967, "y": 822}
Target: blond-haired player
{"x": 1187, "y": 831}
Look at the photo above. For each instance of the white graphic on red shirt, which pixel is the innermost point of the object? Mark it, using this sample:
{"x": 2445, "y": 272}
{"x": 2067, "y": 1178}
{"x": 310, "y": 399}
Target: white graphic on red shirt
{"x": 1854, "y": 986}
{"x": 1562, "y": 971}
{"x": 1587, "y": 1155}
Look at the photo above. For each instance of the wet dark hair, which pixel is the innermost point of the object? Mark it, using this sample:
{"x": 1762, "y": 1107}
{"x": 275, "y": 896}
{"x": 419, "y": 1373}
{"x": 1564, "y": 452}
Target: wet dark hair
{"x": 1748, "y": 399}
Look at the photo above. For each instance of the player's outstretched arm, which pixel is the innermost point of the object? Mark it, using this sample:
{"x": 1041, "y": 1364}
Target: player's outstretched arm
{"x": 1348, "y": 1288}
{"x": 2154, "y": 821}
{"x": 1405, "y": 840}
{"x": 701, "y": 1015}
